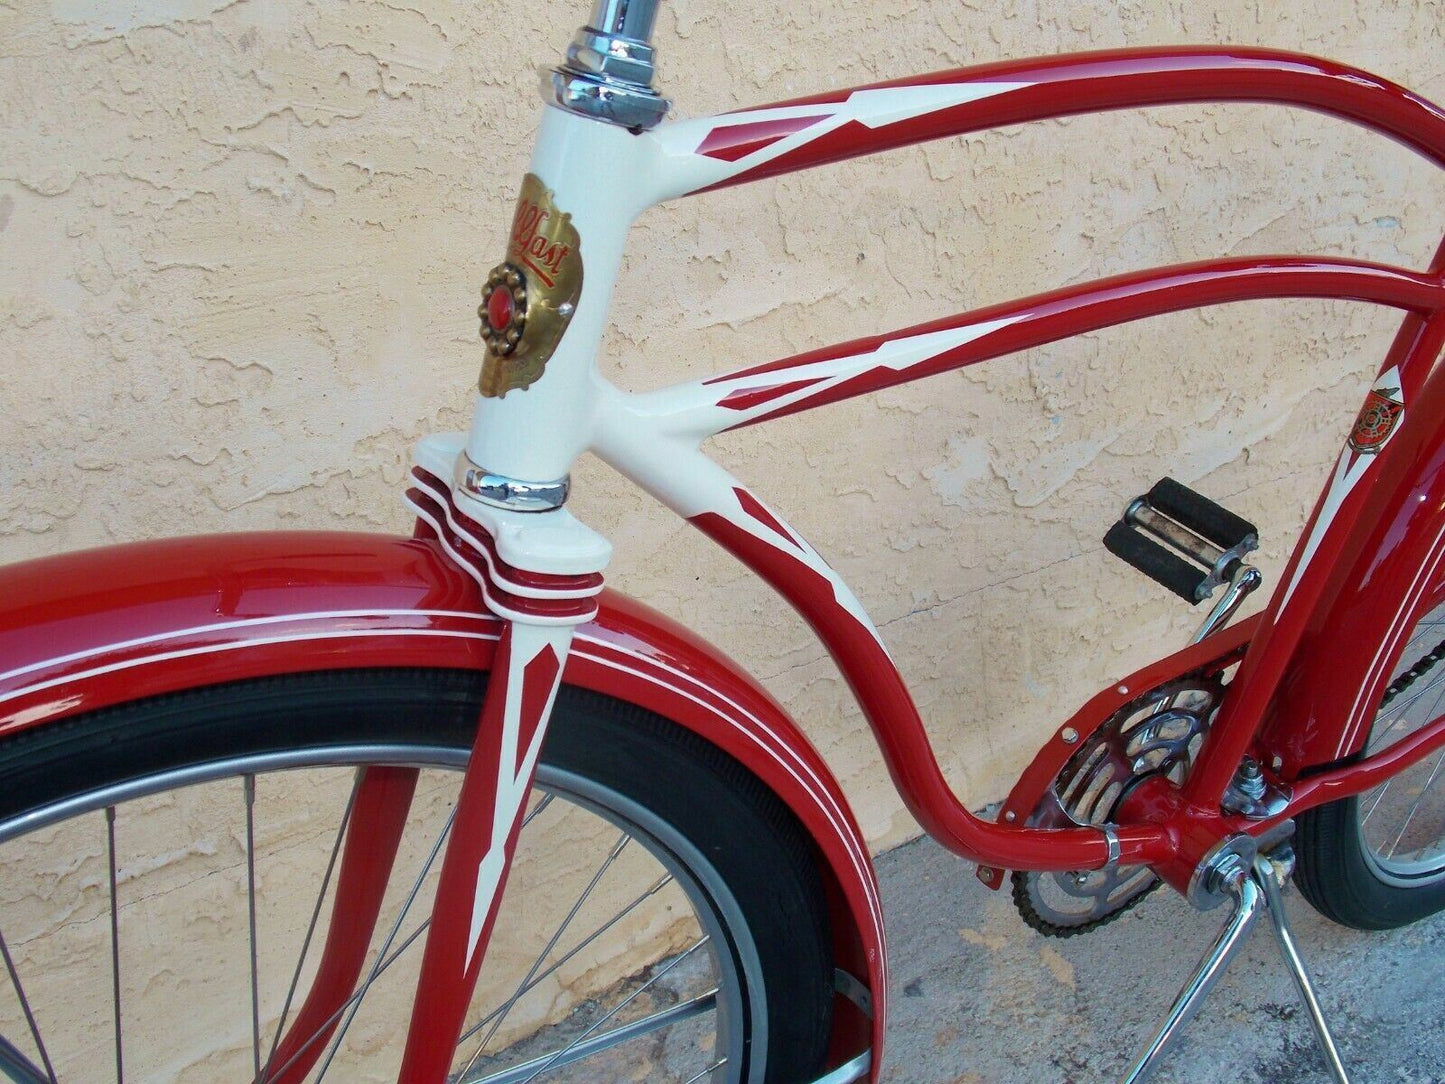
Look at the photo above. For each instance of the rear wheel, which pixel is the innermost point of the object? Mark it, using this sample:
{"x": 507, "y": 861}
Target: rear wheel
{"x": 169, "y": 873}
{"x": 1377, "y": 860}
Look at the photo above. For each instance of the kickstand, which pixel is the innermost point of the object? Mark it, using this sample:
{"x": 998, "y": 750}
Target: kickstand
{"x": 1253, "y": 889}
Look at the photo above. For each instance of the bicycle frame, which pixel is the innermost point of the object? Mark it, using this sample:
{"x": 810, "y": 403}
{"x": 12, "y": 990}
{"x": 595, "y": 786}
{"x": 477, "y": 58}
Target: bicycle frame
{"x": 1377, "y": 533}
{"x": 653, "y": 438}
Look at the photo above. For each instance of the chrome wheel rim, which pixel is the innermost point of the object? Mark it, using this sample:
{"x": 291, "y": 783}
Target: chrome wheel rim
{"x": 710, "y": 983}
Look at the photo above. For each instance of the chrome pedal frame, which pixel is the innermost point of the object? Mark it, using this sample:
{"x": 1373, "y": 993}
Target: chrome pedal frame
{"x": 1253, "y": 886}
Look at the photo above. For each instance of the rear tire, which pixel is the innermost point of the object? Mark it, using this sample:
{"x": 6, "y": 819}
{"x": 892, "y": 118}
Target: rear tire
{"x": 1376, "y": 861}
{"x": 1342, "y": 880}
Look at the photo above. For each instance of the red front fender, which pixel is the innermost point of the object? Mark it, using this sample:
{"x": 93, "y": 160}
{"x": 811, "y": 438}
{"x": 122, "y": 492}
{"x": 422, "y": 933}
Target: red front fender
{"x": 89, "y": 630}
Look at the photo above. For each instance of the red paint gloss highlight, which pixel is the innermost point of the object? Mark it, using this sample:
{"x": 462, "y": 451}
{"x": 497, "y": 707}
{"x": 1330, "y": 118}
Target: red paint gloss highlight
{"x": 1061, "y": 86}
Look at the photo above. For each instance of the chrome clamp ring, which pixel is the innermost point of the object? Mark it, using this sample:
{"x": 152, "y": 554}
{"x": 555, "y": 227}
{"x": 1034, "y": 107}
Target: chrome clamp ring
{"x": 514, "y": 494}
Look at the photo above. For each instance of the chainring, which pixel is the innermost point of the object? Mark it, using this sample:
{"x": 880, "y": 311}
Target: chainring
{"x": 1158, "y": 733}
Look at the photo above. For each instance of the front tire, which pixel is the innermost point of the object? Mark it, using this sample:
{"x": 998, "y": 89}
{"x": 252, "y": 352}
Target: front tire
{"x": 719, "y": 862}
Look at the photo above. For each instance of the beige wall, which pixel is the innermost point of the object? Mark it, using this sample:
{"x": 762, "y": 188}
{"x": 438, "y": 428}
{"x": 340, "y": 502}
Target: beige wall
{"x": 241, "y": 245}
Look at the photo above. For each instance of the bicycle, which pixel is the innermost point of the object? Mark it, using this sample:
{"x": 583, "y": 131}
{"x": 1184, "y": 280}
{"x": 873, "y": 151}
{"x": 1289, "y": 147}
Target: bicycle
{"x": 437, "y": 695}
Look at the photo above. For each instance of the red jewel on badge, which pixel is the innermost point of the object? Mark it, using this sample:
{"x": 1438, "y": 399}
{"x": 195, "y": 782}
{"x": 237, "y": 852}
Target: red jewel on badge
{"x": 499, "y": 308}
{"x": 504, "y": 309}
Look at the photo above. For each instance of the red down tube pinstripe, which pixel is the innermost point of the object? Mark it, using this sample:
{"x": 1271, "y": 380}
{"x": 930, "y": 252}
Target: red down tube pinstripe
{"x": 896, "y": 724}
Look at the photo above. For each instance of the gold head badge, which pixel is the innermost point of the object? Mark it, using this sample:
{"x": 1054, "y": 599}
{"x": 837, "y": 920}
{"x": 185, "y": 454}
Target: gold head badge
{"x": 529, "y": 298}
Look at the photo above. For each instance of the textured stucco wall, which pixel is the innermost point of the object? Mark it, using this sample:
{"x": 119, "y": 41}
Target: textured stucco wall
{"x": 241, "y": 243}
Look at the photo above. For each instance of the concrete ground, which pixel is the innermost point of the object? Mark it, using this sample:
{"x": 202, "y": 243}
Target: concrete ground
{"x": 979, "y": 998}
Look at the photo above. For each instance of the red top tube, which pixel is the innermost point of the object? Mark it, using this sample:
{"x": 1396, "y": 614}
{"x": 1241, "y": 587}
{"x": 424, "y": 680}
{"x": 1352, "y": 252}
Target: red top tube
{"x": 1119, "y": 79}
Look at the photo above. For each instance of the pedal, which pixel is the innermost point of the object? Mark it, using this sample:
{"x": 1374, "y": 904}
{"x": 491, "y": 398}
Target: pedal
{"x": 1182, "y": 540}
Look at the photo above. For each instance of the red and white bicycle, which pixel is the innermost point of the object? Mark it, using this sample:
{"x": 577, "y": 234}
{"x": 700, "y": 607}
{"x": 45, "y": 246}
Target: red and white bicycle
{"x": 374, "y": 737}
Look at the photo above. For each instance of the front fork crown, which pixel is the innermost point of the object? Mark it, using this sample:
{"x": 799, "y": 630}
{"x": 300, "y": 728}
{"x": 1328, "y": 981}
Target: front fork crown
{"x": 541, "y": 602}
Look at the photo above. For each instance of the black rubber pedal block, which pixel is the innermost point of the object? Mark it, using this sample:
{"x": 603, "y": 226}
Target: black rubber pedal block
{"x": 1161, "y": 565}
{"x": 1200, "y": 514}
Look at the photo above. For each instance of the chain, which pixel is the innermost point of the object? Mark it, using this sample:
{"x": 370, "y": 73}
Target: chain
{"x": 1021, "y": 894}
{"x": 1025, "y": 904}
{"x": 1410, "y": 676}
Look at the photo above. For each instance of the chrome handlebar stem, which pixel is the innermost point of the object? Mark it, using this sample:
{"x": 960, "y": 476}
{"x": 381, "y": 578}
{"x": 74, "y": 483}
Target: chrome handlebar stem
{"x": 609, "y": 68}
{"x": 627, "y": 18}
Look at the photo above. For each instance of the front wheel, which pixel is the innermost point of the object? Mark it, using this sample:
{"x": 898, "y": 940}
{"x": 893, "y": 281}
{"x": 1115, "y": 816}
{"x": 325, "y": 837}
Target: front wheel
{"x": 1377, "y": 860}
{"x": 169, "y": 877}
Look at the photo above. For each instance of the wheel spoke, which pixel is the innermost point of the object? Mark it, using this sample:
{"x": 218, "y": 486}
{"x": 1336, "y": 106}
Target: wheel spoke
{"x": 1423, "y": 629}
{"x": 311, "y": 926}
{"x": 355, "y": 997}
{"x": 1433, "y": 683}
{"x": 114, "y": 945}
{"x": 559, "y": 1055}
{"x": 1415, "y": 806}
{"x": 655, "y": 888}
{"x": 1397, "y": 853}
{"x": 714, "y": 1067}
{"x": 623, "y": 840}
{"x": 1401, "y": 720}
{"x": 1435, "y": 707}
{"x": 248, "y": 787}
{"x": 624, "y": 868}
{"x": 25, "y": 1008}
{"x": 1424, "y": 790}
{"x": 355, "y": 1001}
{"x": 537, "y": 810}
{"x": 1379, "y": 795}
{"x": 1378, "y": 740}
{"x": 1399, "y": 711}
{"x": 606, "y": 1041}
